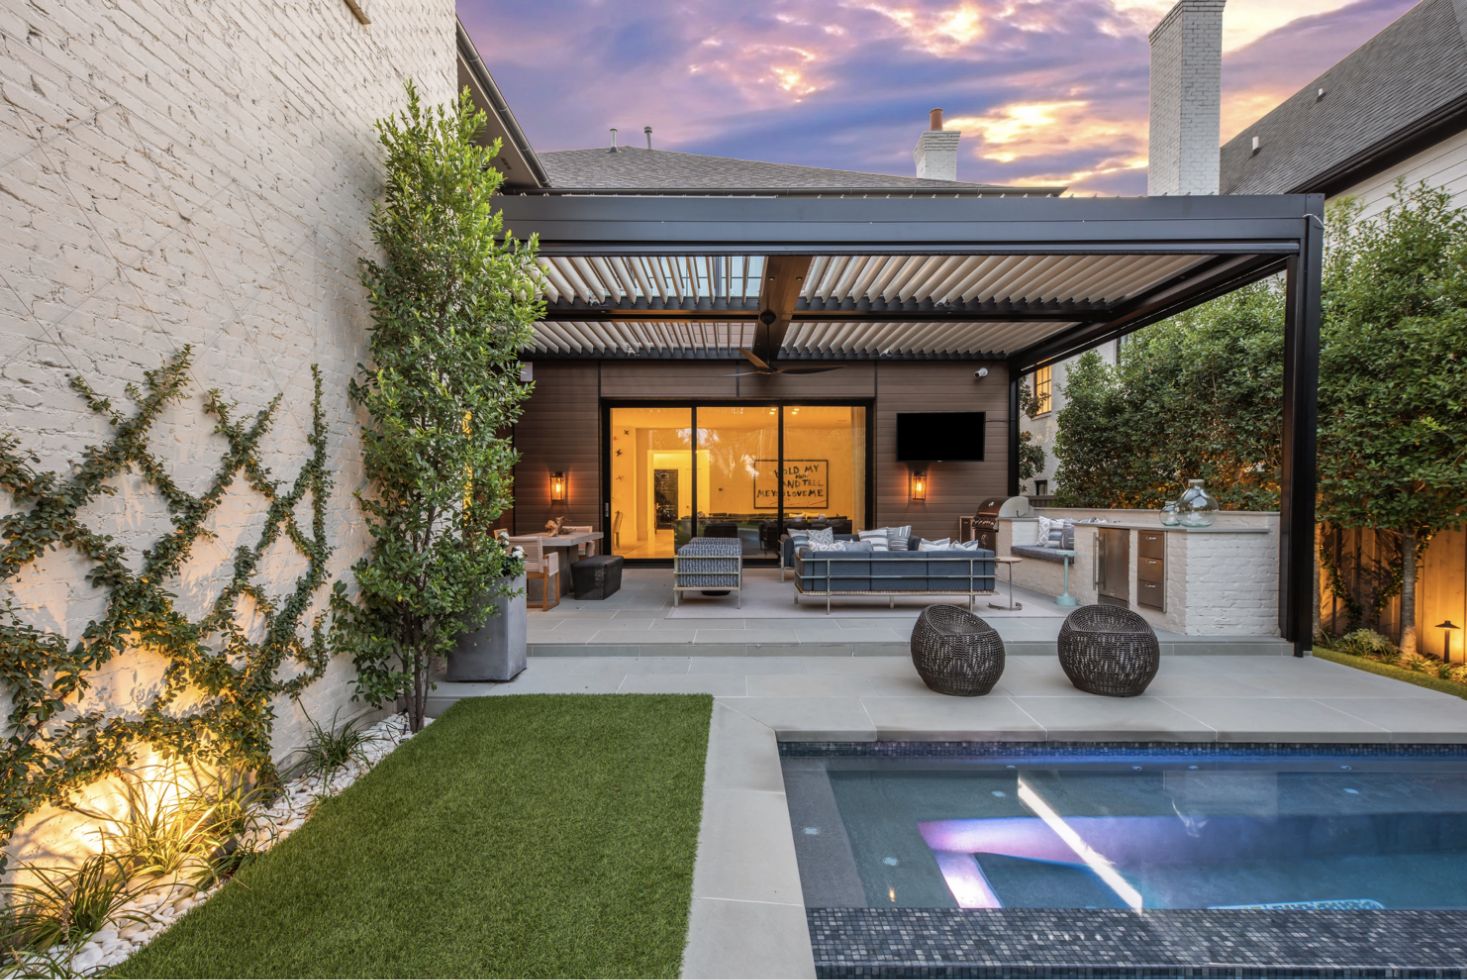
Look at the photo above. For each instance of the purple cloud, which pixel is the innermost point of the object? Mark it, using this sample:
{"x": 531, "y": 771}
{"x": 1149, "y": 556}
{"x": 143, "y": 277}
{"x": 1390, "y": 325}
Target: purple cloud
{"x": 1044, "y": 91}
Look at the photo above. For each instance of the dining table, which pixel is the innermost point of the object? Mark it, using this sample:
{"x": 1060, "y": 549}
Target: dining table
{"x": 569, "y": 546}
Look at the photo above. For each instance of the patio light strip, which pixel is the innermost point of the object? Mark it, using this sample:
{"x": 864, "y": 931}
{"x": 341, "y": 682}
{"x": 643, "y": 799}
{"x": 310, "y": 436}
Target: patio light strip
{"x": 1093, "y": 859}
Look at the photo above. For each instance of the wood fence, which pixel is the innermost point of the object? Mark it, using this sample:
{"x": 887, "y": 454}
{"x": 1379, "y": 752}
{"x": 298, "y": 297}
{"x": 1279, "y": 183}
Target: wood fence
{"x": 1441, "y": 587}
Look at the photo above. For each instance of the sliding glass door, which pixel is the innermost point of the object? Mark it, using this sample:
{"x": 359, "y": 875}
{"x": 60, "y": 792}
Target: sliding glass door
{"x": 745, "y": 472}
{"x": 738, "y": 451}
{"x": 651, "y": 506}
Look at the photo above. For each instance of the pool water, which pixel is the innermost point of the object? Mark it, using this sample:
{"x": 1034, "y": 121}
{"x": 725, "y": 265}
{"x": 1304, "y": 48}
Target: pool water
{"x": 1149, "y": 830}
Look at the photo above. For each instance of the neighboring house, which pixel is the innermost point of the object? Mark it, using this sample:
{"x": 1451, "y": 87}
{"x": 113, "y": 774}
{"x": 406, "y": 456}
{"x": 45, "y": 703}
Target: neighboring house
{"x": 1394, "y": 109}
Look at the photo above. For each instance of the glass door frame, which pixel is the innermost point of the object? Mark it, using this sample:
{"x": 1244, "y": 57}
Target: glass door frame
{"x": 693, "y": 404}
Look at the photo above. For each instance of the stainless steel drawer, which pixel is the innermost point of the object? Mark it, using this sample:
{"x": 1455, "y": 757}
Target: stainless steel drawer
{"x": 1151, "y": 570}
{"x": 1152, "y": 544}
{"x": 1151, "y": 595}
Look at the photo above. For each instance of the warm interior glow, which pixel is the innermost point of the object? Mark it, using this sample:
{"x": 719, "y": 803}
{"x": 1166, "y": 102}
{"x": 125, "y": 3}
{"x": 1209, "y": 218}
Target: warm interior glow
{"x": 727, "y": 476}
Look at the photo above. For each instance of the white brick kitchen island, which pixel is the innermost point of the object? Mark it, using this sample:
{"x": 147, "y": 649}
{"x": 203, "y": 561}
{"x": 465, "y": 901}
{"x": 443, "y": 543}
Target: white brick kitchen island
{"x": 1219, "y": 580}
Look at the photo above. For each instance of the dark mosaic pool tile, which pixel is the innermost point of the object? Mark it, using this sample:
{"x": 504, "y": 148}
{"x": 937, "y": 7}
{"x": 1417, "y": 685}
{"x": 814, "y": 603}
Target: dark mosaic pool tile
{"x": 1119, "y": 750}
{"x": 1065, "y": 943}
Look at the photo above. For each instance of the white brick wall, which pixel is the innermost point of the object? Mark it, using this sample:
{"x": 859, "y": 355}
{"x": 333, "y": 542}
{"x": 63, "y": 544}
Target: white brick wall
{"x": 936, "y": 154}
{"x": 1186, "y": 94}
{"x": 179, "y": 172}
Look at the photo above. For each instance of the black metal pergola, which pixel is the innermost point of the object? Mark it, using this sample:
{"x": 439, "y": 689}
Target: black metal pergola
{"x": 1028, "y": 281}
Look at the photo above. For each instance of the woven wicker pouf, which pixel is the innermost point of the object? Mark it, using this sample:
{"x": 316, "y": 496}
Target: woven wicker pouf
{"x": 1108, "y": 650}
{"x": 955, "y": 652}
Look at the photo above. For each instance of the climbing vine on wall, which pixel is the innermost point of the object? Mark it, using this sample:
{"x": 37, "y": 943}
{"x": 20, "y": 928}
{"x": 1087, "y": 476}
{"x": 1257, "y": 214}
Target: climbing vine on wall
{"x": 215, "y": 701}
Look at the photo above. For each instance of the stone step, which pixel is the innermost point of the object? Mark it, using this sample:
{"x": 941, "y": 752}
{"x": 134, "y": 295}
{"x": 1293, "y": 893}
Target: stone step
{"x": 1203, "y": 646}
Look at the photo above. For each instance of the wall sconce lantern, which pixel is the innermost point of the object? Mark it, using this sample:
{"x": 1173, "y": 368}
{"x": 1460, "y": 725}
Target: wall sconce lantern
{"x": 558, "y": 488}
{"x": 917, "y": 486}
{"x": 1447, "y": 626}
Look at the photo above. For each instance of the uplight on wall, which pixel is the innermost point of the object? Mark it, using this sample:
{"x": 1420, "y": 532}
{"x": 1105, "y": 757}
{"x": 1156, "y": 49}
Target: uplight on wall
{"x": 917, "y": 485}
{"x": 558, "y": 487}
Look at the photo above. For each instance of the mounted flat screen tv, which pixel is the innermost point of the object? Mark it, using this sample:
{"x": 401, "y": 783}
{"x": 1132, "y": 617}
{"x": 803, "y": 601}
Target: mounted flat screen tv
{"x": 932, "y": 437}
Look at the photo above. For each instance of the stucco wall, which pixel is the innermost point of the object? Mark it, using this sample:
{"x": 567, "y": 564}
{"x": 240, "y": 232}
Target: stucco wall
{"x": 179, "y": 173}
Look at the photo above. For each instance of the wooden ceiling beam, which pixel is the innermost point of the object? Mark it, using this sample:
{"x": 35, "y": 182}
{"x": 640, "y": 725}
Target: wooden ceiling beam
{"x": 784, "y": 277}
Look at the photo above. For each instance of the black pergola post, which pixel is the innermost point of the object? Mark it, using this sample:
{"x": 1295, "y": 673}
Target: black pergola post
{"x": 1013, "y": 429}
{"x": 1299, "y": 477}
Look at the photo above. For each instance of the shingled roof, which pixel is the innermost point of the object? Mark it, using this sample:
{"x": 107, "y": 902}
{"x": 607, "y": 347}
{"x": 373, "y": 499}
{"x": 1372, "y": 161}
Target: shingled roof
{"x": 636, "y": 169}
{"x": 1406, "y": 82}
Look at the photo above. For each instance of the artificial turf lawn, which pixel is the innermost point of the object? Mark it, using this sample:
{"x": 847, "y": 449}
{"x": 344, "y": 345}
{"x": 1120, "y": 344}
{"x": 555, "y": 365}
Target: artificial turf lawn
{"x": 1391, "y": 670}
{"x": 535, "y": 835}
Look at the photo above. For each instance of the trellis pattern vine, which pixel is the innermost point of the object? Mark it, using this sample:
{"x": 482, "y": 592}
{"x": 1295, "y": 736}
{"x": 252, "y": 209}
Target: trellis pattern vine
{"x": 52, "y": 747}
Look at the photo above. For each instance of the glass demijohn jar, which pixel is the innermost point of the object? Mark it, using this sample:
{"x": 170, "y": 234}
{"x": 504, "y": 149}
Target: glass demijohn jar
{"x": 1196, "y": 507}
{"x": 1170, "y": 517}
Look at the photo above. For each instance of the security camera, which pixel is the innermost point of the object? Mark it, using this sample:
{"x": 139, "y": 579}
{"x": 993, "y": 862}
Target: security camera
{"x": 981, "y": 373}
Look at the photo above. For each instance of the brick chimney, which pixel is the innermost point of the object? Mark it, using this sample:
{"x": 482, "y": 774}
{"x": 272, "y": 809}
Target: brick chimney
{"x": 936, "y": 152}
{"x": 1186, "y": 99}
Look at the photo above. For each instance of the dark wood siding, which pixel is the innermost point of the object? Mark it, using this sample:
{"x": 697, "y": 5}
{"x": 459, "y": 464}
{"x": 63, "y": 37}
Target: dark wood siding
{"x": 668, "y": 379}
{"x": 559, "y": 431}
{"x": 954, "y": 489}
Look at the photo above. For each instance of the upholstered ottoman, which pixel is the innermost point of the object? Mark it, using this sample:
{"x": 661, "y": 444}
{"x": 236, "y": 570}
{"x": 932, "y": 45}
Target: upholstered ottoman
{"x": 714, "y": 565}
{"x": 597, "y": 576}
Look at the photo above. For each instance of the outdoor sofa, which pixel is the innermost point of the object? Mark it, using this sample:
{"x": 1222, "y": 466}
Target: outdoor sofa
{"x": 955, "y": 571}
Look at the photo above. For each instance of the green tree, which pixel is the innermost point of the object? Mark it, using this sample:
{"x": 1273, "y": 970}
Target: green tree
{"x": 1031, "y": 454}
{"x": 453, "y": 298}
{"x": 1095, "y": 446}
{"x": 1393, "y": 419}
{"x": 1195, "y": 396}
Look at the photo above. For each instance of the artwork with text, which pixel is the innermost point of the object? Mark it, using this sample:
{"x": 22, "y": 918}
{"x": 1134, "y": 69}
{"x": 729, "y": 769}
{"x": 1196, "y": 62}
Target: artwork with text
{"x": 806, "y": 483}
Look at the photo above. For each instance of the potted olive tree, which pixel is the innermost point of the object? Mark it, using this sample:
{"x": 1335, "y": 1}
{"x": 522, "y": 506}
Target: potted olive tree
{"x": 453, "y": 298}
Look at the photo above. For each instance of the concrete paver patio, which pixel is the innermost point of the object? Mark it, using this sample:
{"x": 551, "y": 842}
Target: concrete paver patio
{"x": 641, "y": 621}
{"x": 748, "y": 915}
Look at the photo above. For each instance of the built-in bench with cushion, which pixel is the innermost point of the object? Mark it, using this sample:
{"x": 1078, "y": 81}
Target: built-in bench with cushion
{"x": 865, "y": 572}
{"x": 1056, "y": 544}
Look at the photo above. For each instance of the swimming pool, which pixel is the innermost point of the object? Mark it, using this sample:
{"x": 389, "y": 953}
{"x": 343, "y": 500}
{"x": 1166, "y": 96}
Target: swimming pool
{"x": 893, "y": 839}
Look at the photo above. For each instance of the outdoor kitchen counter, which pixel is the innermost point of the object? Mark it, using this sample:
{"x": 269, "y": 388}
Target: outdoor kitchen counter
{"x": 1195, "y": 581}
{"x": 1156, "y": 526}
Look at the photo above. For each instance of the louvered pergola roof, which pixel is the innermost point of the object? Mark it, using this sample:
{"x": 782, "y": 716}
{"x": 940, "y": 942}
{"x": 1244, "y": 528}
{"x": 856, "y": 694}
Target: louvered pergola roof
{"x": 1025, "y": 280}
{"x": 849, "y": 306}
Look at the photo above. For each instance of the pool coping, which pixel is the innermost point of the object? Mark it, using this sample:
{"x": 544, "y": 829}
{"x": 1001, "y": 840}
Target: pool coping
{"x": 748, "y": 916}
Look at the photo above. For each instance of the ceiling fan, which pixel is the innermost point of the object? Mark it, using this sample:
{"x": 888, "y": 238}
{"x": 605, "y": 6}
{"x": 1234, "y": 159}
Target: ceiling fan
{"x": 763, "y": 368}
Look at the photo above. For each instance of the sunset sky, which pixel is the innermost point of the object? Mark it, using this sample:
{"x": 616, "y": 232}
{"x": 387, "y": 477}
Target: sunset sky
{"x": 1050, "y": 91}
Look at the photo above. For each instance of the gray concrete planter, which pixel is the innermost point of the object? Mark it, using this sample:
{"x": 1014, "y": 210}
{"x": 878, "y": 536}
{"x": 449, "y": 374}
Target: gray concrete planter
{"x": 496, "y": 651}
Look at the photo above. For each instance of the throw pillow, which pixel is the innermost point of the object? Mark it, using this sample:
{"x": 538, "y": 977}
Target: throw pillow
{"x": 897, "y": 538}
{"x": 940, "y": 544}
{"x": 822, "y": 538}
{"x": 876, "y": 538}
{"x": 1041, "y": 537}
